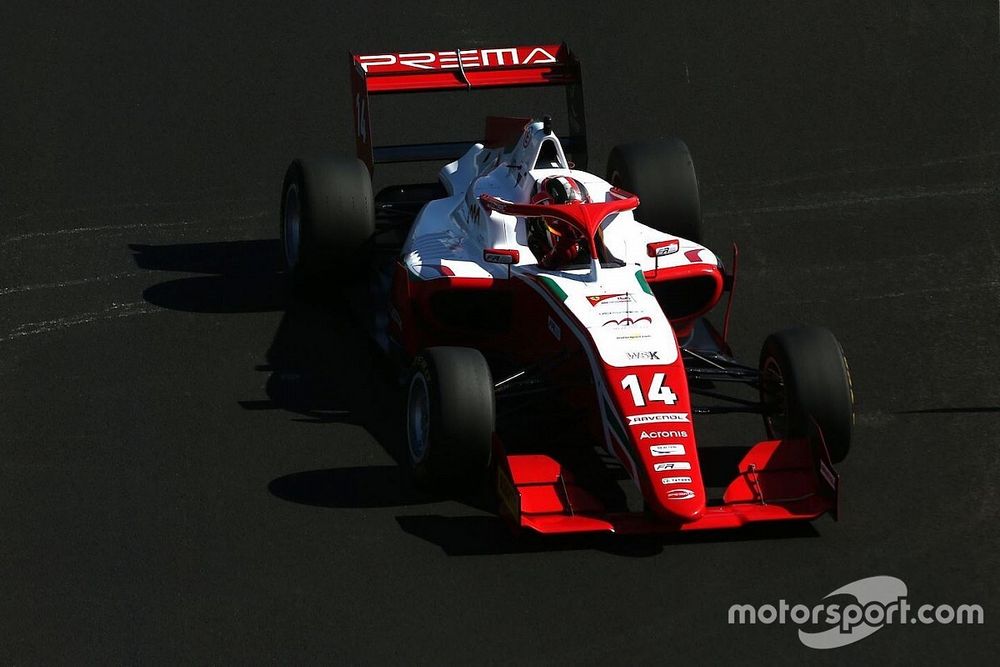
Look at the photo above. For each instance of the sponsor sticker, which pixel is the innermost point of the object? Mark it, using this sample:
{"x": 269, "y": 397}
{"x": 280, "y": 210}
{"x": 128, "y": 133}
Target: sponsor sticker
{"x": 658, "y": 417}
{"x": 662, "y": 248}
{"x": 646, "y": 435}
{"x": 671, "y": 465}
{"x": 626, "y": 310}
{"x": 610, "y": 299}
{"x": 464, "y": 58}
{"x": 680, "y": 494}
{"x": 675, "y": 480}
{"x": 629, "y": 321}
{"x": 497, "y": 258}
{"x": 667, "y": 450}
{"x": 645, "y": 355}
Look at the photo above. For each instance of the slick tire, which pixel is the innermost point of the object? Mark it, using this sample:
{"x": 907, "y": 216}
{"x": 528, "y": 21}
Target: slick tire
{"x": 327, "y": 217}
{"x": 804, "y": 376}
{"x": 662, "y": 174}
{"x": 450, "y": 419}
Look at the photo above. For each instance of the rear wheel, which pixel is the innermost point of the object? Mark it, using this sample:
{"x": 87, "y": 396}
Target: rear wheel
{"x": 804, "y": 376}
{"x": 327, "y": 216}
{"x": 662, "y": 174}
{"x": 450, "y": 418}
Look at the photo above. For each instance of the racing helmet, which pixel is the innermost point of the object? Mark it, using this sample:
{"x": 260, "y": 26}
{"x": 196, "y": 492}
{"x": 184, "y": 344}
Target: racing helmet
{"x": 562, "y": 190}
{"x": 554, "y": 242}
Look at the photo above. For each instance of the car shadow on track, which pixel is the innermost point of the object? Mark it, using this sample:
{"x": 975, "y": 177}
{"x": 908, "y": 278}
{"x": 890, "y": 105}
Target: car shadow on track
{"x": 321, "y": 365}
{"x": 489, "y": 536}
{"x": 240, "y": 276}
{"x": 354, "y": 487}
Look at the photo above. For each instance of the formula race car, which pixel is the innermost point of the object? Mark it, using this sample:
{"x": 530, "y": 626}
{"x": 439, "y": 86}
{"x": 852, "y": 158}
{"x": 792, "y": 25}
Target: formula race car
{"x": 552, "y": 322}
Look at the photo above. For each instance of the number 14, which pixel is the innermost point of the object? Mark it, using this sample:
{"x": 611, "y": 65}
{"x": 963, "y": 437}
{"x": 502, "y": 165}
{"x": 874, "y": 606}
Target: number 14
{"x": 657, "y": 390}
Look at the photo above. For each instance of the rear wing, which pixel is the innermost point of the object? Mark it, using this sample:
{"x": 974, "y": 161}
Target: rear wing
{"x": 469, "y": 69}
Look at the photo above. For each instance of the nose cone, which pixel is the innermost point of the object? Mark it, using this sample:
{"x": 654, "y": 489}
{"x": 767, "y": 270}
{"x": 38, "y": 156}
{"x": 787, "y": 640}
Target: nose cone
{"x": 680, "y": 502}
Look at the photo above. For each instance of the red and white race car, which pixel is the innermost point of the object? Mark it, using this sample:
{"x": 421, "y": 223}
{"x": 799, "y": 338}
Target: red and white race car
{"x": 553, "y": 321}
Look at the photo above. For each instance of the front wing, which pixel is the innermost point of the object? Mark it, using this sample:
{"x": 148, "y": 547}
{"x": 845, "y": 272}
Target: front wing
{"x": 777, "y": 480}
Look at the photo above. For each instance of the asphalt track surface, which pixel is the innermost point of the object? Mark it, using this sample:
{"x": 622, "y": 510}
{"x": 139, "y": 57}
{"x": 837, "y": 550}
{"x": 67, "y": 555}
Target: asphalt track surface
{"x": 196, "y": 466}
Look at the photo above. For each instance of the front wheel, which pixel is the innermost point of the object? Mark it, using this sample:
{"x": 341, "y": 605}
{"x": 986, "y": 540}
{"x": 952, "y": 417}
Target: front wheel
{"x": 804, "y": 377}
{"x": 450, "y": 418}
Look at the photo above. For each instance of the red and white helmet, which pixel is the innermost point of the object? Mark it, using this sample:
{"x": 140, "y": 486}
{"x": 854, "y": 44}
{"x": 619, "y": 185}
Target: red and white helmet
{"x": 561, "y": 190}
{"x": 557, "y": 243}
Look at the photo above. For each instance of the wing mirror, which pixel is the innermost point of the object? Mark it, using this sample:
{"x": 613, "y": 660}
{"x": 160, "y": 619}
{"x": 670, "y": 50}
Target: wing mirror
{"x": 662, "y": 248}
{"x": 501, "y": 256}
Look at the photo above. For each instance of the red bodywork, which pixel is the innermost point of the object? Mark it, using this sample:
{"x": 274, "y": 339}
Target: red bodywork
{"x": 777, "y": 480}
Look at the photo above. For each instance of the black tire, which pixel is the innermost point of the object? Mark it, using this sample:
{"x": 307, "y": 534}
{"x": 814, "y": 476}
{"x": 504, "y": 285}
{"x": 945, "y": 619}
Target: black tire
{"x": 450, "y": 418}
{"x": 804, "y": 373}
{"x": 662, "y": 174}
{"x": 327, "y": 216}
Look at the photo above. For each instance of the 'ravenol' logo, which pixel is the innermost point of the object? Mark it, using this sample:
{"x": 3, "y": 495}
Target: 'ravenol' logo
{"x": 880, "y": 601}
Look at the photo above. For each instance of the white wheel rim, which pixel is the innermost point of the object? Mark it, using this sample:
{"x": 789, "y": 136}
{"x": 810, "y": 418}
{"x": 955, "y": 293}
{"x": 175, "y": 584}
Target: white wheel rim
{"x": 292, "y": 225}
{"x": 418, "y": 418}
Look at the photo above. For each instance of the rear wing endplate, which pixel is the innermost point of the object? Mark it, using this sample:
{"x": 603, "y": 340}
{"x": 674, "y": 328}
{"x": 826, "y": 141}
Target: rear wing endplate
{"x": 469, "y": 69}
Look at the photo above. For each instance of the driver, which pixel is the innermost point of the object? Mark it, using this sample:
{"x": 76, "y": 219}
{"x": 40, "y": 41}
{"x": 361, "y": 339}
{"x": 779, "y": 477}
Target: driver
{"x": 556, "y": 243}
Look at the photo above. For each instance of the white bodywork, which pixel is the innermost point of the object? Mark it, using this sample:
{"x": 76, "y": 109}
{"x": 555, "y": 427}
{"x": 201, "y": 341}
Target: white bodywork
{"x": 452, "y": 232}
{"x": 627, "y": 326}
